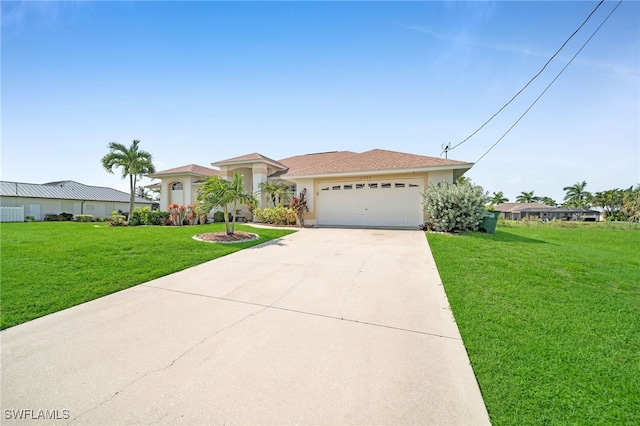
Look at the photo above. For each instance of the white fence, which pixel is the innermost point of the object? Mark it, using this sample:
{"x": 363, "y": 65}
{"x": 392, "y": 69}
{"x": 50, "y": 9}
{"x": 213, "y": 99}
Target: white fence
{"x": 12, "y": 214}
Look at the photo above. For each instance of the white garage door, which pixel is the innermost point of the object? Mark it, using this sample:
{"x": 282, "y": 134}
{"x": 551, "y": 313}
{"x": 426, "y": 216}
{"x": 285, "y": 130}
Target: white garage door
{"x": 383, "y": 202}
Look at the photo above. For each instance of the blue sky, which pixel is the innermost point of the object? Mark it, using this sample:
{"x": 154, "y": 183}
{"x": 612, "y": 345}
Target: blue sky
{"x": 199, "y": 82}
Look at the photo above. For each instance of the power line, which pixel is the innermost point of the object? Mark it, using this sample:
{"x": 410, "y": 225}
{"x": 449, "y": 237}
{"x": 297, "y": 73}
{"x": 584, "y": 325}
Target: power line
{"x": 449, "y": 148}
{"x": 550, "y": 84}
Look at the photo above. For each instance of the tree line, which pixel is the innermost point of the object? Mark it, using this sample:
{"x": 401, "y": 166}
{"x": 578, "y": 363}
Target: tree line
{"x": 616, "y": 204}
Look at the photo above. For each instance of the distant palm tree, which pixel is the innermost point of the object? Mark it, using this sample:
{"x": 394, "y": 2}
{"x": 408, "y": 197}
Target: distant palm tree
{"x": 499, "y": 198}
{"x": 142, "y": 192}
{"x": 278, "y": 192}
{"x": 548, "y": 201}
{"x": 527, "y": 197}
{"x": 576, "y": 196}
{"x": 134, "y": 164}
{"x": 218, "y": 192}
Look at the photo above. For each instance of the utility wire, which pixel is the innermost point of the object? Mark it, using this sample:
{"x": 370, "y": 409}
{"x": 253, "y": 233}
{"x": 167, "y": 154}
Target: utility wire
{"x": 550, "y": 84}
{"x": 449, "y": 148}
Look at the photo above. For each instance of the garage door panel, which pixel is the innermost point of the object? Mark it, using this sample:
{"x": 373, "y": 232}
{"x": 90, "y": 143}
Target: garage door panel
{"x": 385, "y": 202}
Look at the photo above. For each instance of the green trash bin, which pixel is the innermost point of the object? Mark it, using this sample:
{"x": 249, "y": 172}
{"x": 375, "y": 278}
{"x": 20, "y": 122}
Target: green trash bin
{"x": 489, "y": 222}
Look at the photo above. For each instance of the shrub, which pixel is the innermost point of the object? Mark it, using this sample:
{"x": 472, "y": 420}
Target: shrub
{"x": 146, "y": 216}
{"x": 457, "y": 207}
{"x": 279, "y": 215}
{"x": 219, "y": 217}
{"x": 29, "y": 218}
{"x": 62, "y": 217}
{"x": 84, "y": 217}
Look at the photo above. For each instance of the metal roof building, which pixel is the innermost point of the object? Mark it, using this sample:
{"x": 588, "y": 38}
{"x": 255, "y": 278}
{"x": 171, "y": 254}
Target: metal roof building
{"x": 67, "y": 196}
{"x": 66, "y": 190}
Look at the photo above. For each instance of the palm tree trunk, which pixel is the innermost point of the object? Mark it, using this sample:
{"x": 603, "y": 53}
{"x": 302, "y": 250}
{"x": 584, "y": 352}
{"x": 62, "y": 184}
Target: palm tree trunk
{"x": 233, "y": 224}
{"x": 132, "y": 197}
{"x": 226, "y": 220}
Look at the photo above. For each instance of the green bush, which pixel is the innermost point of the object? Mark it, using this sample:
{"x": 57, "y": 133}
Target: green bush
{"x": 219, "y": 217}
{"x": 278, "y": 215}
{"x": 84, "y": 217}
{"x": 458, "y": 207}
{"x": 146, "y": 216}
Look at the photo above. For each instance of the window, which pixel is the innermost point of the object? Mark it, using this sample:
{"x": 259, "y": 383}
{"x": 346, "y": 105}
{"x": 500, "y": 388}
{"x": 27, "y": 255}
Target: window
{"x": 177, "y": 186}
{"x": 348, "y": 187}
{"x": 326, "y": 188}
{"x": 336, "y": 188}
{"x": 386, "y": 185}
{"x": 373, "y": 185}
{"x": 359, "y": 185}
{"x": 399, "y": 185}
{"x": 413, "y": 185}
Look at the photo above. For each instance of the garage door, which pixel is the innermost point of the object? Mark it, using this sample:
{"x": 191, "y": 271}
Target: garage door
{"x": 391, "y": 202}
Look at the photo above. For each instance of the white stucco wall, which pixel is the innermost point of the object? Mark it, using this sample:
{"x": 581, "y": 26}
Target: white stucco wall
{"x": 46, "y": 205}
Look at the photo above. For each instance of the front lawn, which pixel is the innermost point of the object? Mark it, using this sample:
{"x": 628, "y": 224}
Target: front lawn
{"x": 550, "y": 318}
{"x": 50, "y": 266}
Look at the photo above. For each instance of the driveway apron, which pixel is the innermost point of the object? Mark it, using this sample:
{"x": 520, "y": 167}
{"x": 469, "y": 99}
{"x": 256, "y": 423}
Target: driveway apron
{"x": 324, "y": 326}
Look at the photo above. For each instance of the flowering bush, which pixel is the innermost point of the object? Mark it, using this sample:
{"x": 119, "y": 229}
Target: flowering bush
{"x": 279, "y": 215}
{"x": 458, "y": 207}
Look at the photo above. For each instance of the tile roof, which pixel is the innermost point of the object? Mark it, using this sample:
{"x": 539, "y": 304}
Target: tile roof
{"x": 249, "y": 157}
{"x": 188, "y": 169}
{"x": 375, "y": 160}
{"x": 65, "y": 190}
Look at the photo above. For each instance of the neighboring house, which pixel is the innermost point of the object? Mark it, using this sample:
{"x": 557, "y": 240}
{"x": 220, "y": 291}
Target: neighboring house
{"x": 518, "y": 211}
{"x": 373, "y": 188}
{"x": 65, "y": 197}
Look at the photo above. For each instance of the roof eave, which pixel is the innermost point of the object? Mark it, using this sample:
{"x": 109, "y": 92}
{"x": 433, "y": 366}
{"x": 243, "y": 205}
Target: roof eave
{"x": 248, "y": 162}
{"x": 465, "y": 166}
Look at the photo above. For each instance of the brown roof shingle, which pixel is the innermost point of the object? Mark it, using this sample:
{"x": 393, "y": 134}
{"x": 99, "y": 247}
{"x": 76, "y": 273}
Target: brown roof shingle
{"x": 375, "y": 160}
{"x": 300, "y": 162}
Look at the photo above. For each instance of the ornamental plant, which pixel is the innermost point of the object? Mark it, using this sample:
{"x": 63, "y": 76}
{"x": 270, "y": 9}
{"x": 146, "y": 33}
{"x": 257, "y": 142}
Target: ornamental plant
{"x": 299, "y": 206}
{"x": 279, "y": 215}
{"x": 458, "y": 207}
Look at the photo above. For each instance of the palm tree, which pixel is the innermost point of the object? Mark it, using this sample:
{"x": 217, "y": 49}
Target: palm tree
{"x": 527, "y": 197}
{"x": 576, "y": 196}
{"x": 218, "y": 192}
{"x": 499, "y": 198}
{"x": 142, "y": 192}
{"x": 548, "y": 201}
{"x": 134, "y": 163}
{"x": 276, "y": 191}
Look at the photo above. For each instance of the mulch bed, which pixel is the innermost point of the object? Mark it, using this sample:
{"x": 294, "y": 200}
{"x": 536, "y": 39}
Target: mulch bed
{"x": 222, "y": 237}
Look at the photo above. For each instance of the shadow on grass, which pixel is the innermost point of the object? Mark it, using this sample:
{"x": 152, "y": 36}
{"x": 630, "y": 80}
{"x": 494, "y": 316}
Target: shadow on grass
{"x": 505, "y": 237}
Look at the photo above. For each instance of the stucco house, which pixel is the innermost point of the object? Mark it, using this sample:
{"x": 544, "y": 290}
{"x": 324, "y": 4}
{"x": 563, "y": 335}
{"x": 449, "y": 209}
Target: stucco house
{"x": 344, "y": 188}
{"x": 65, "y": 196}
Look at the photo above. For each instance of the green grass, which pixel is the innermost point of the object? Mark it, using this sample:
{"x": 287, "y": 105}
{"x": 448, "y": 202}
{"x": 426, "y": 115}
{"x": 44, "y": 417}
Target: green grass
{"x": 49, "y": 266}
{"x": 550, "y": 317}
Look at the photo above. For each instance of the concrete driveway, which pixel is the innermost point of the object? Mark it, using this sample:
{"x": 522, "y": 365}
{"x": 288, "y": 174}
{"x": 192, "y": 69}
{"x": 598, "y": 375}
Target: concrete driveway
{"x": 325, "y": 326}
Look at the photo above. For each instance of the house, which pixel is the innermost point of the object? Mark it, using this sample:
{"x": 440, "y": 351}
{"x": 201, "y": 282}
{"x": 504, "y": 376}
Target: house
{"x": 518, "y": 211}
{"x": 344, "y": 188}
{"x": 65, "y": 196}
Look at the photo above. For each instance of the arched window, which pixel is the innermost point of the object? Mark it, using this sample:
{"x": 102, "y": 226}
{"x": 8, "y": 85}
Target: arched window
{"x": 177, "y": 186}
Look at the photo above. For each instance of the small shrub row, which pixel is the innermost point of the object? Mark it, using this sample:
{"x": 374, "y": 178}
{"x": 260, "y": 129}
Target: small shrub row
{"x": 278, "y": 215}
{"x": 84, "y": 217}
{"x": 62, "y": 217}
